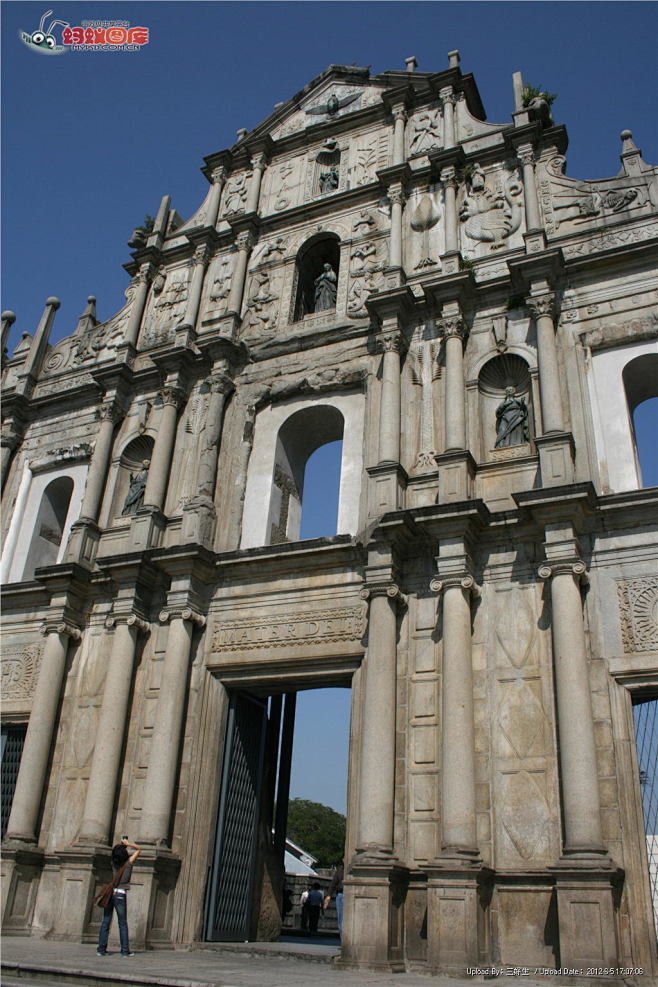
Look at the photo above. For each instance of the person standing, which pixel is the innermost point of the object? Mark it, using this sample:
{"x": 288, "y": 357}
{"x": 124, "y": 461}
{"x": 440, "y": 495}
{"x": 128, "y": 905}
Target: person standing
{"x": 122, "y": 865}
{"x": 314, "y": 901}
{"x": 335, "y": 889}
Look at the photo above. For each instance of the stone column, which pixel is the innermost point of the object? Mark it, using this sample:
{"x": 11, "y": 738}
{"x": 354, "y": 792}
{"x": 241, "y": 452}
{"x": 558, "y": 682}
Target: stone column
{"x": 389, "y": 412}
{"x": 258, "y": 165}
{"x": 396, "y": 196}
{"x": 219, "y": 176}
{"x": 399, "y": 120}
{"x": 143, "y": 283}
{"x": 110, "y": 414}
{"x": 449, "y": 180}
{"x": 106, "y": 762}
{"x": 244, "y": 243}
{"x": 454, "y": 333}
{"x": 199, "y": 264}
{"x": 160, "y": 779}
{"x": 40, "y": 734}
{"x": 526, "y": 156}
{"x": 459, "y": 836}
{"x": 221, "y": 386}
{"x": 577, "y": 752}
{"x": 448, "y": 100}
{"x": 158, "y": 476}
{"x": 542, "y": 308}
{"x": 377, "y": 771}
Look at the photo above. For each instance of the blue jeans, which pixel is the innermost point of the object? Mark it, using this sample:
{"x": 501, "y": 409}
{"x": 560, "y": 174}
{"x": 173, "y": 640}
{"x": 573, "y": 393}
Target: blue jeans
{"x": 339, "y": 912}
{"x": 119, "y": 904}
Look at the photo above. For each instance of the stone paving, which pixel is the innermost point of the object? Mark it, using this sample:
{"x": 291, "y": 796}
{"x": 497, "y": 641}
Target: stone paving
{"x": 286, "y": 964}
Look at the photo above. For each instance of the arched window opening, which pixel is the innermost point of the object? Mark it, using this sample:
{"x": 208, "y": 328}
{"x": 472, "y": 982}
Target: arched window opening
{"x": 321, "y": 492}
{"x": 298, "y": 438}
{"x": 49, "y": 527}
{"x": 317, "y": 277}
{"x": 640, "y": 377}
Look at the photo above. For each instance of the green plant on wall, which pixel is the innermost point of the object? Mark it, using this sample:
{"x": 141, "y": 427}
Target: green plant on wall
{"x": 537, "y": 92}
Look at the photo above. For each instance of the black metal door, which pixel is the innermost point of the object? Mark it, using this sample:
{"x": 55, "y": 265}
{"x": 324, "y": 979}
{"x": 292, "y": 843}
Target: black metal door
{"x": 230, "y": 886}
{"x": 13, "y": 738}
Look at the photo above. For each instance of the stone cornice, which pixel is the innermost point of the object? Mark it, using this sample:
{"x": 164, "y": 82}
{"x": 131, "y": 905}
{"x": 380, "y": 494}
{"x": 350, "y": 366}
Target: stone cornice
{"x": 452, "y": 287}
{"x": 573, "y": 503}
{"x": 547, "y": 265}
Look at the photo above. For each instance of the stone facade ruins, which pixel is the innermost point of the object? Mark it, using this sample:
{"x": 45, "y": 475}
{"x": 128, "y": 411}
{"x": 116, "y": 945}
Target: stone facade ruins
{"x": 376, "y": 264}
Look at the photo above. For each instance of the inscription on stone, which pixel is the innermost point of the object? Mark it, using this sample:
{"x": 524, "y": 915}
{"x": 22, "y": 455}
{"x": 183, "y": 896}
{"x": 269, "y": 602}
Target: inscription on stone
{"x": 314, "y": 627}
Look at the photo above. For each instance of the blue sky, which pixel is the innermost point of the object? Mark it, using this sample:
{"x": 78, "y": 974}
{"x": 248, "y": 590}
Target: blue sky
{"x": 91, "y": 141}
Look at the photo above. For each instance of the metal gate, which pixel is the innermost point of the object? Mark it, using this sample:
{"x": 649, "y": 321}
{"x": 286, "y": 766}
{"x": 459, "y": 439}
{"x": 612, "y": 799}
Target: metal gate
{"x": 230, "y": 885}
{"x": 13, "y": 738}
{"x": 645, "y": 715}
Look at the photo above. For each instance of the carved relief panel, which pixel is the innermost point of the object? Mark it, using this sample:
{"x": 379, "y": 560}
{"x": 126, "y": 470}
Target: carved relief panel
{"x": 217, "y": 286}
{"x": 424, "y": 131}
{"x": 165, "y": 306}
{"x": 571, "y": 206}
{"x": 525, "y": 799}
{"x": 425, "y": 233}
{"x": 490, "y": 210}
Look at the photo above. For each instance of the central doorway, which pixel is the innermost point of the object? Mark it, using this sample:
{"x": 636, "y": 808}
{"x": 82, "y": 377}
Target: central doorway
{"x": 247, "y": 874}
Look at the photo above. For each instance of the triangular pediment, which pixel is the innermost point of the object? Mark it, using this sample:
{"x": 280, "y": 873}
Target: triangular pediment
{"x": 338, "y": 91}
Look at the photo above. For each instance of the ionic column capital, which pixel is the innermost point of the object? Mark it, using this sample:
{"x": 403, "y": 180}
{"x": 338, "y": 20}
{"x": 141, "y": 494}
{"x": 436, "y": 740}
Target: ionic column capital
{"x": 61, "y": 627}
{"x": 570, "y": 567}
{"x": 184, "y": 613}
{"x": 467, "y": 582}
{"x": 399, "y": 113}
{"x": 540, "y": 305}
{"x": 447, "y": 95}
{"x": 129, "y": 619}
{"x": 391, "y": 590}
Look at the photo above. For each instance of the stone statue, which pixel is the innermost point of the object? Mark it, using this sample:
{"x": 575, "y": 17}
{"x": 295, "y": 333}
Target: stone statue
{"x": 511, "y": 421}
{"x": 326, "y": 289}
{"x": 329, "y": 179}
{"x": 135, "y": 496}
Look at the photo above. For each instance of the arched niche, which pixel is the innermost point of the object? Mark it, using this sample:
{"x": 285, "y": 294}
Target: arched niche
{"x": 285, "y": 436}
{"x": 49, "y": 526}
{"x": 316, "y": 276}
{"x": 505, "y": 387}
{"x": 131, "y": 462}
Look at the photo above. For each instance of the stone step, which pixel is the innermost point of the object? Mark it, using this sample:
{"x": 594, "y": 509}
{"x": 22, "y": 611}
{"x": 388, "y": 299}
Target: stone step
{"x": 34, "y": 975}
